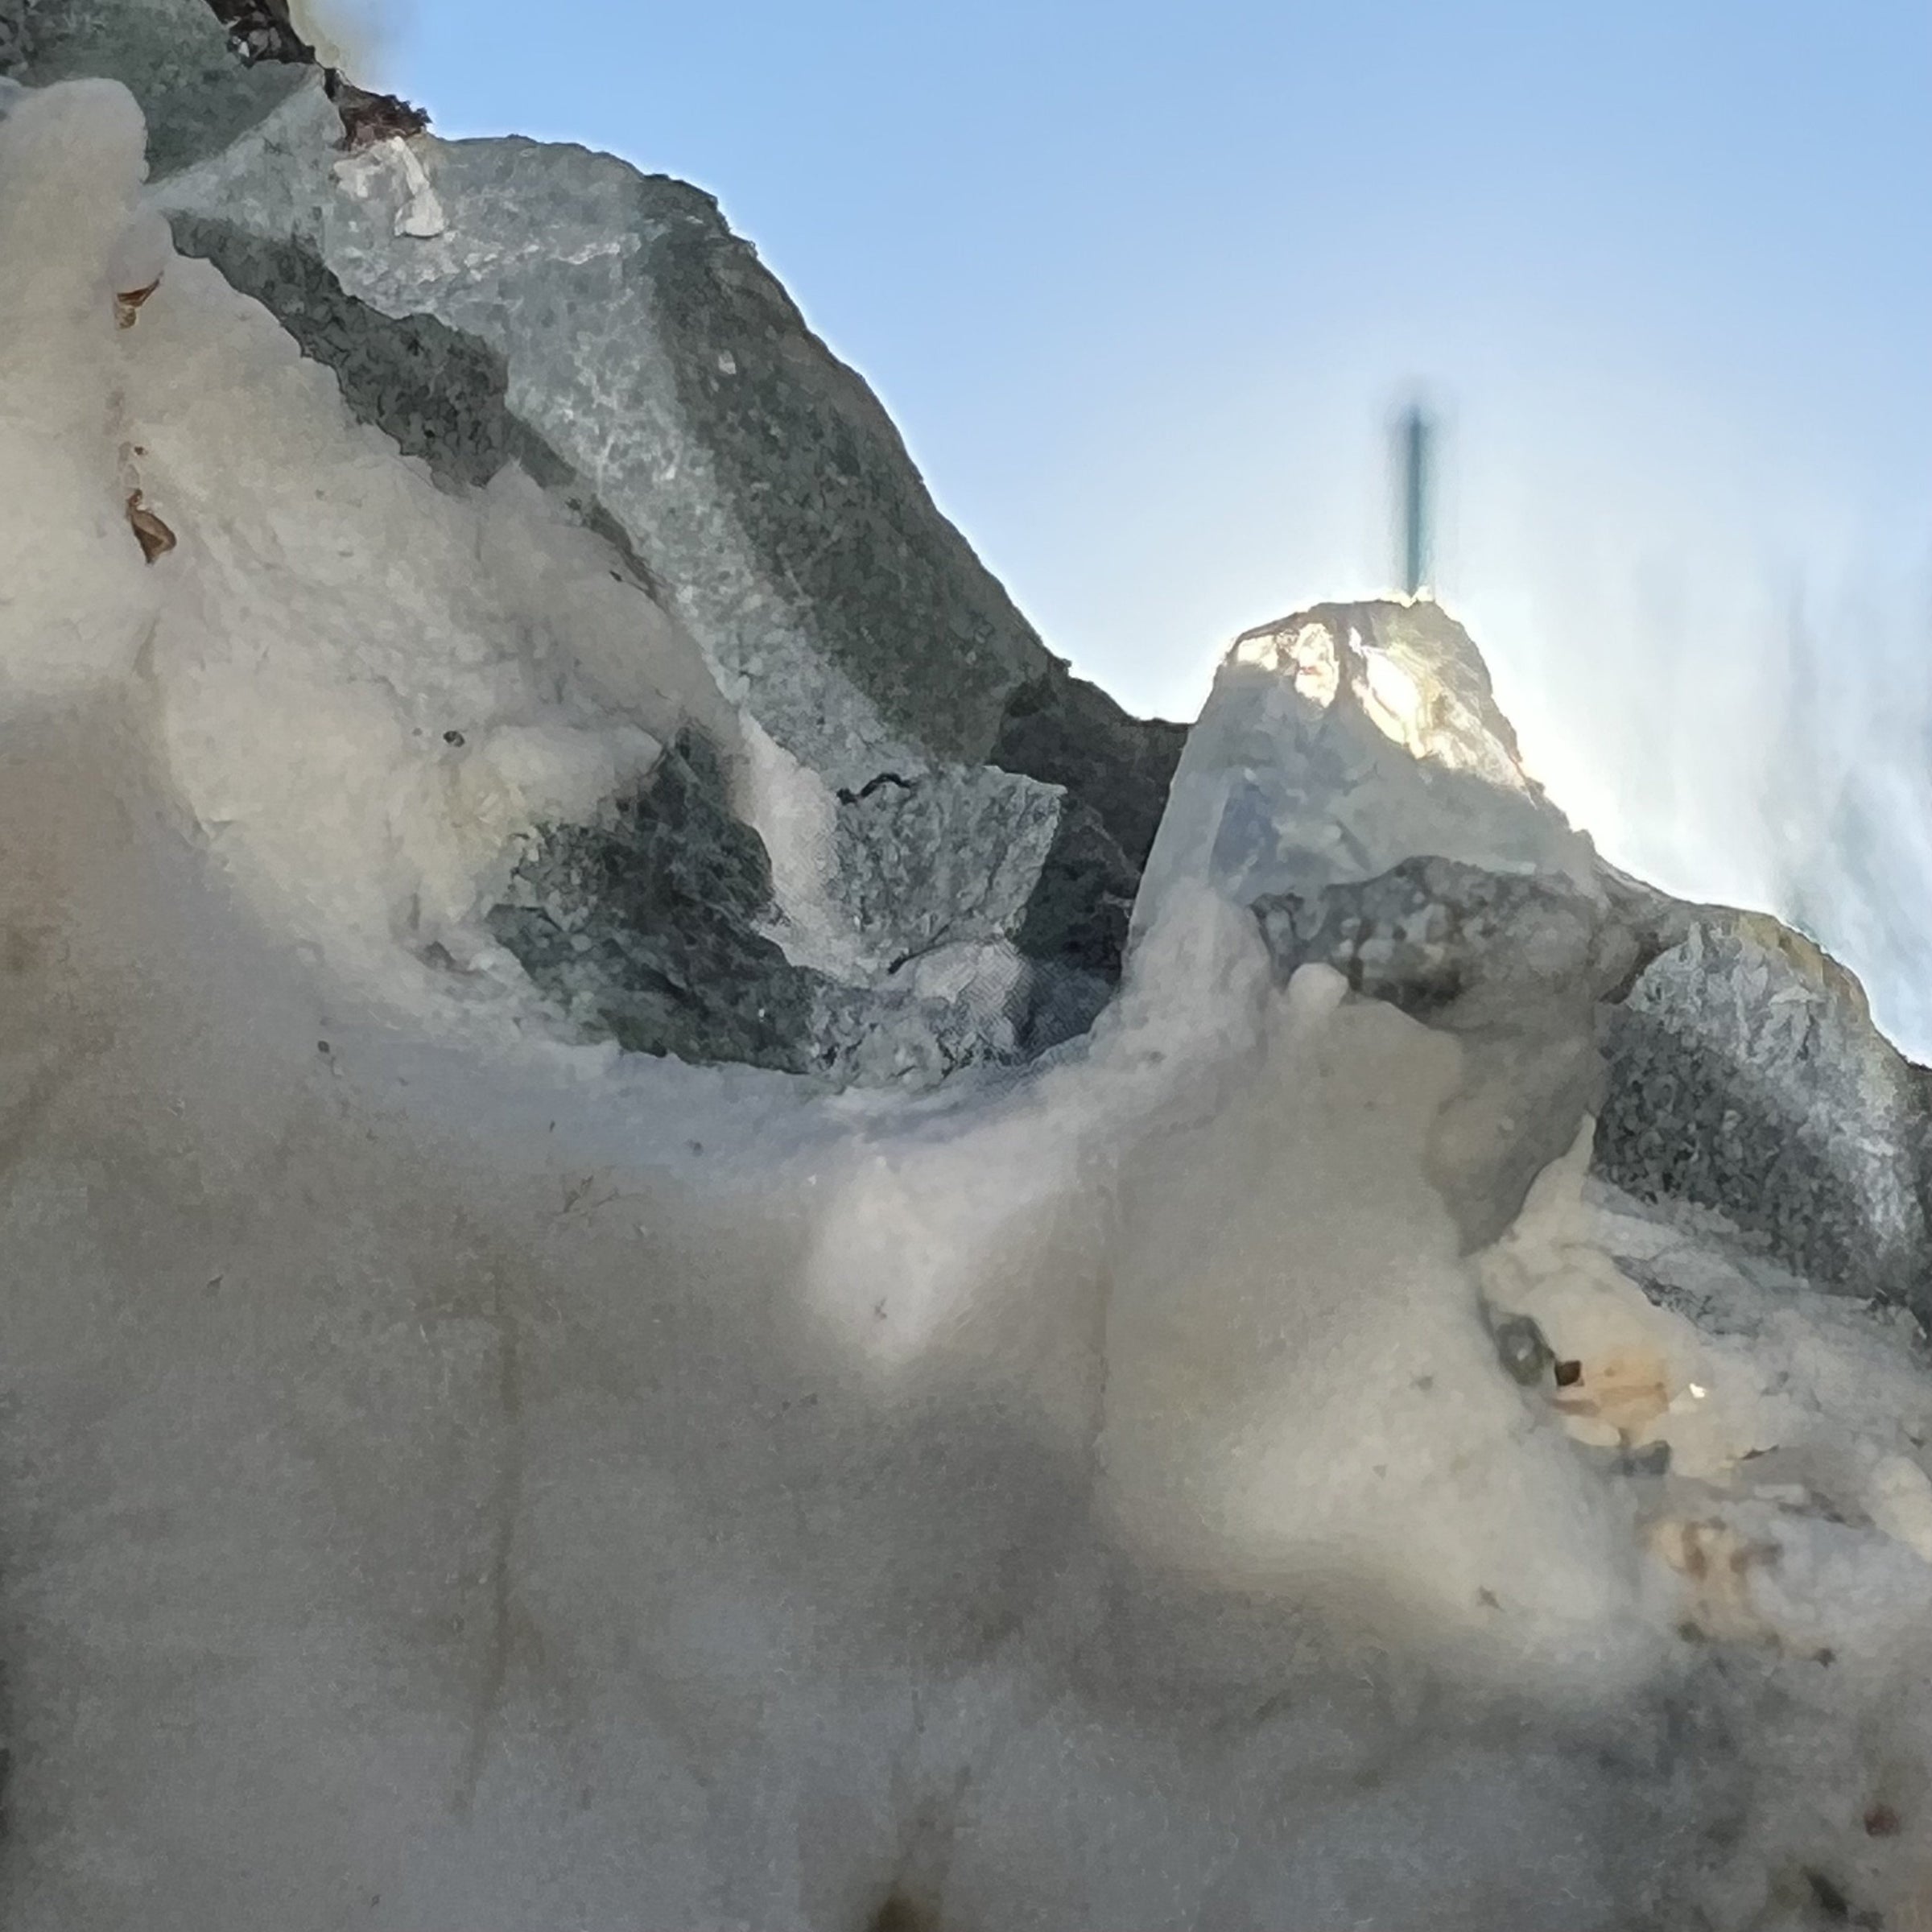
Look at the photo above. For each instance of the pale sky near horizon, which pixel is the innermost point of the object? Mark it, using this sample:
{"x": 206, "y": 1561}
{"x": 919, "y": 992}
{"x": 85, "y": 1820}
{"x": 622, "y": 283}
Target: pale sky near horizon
{"x": 1142, "y": 285}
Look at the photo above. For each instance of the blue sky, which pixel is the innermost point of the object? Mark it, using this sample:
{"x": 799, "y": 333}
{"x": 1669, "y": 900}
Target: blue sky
{"x": 1142, "y": 283}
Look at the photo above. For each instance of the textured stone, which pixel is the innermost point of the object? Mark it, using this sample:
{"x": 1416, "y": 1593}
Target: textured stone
{"x": 1732, "y": 1066}
{"x": 1514, "y": 966}
{"x": 569, "y": 1491}
{"x": 668, "y": 381}
{"x": 484, "y": 301}
{"x": 812, "y": 473}
{"x": 439, "y": 393}
{"x": 654, "y": 927}
{"x": 1352, "y": 781}
{"x": 488, "y": 301}
{"x": 1745, "y": 1075}
{"x": 1082, "y": 899}
{"x": 1442, "y": 940}
{"x": 174, "y": 56}
{"x": 1338, "y": 743}
{"x": 1070, "y": 733}
{"x": 648, "y": 928}
{"x": 952, "y": 855}
{"x": 1115, "y": 771}
{"x": 16, "y": 37}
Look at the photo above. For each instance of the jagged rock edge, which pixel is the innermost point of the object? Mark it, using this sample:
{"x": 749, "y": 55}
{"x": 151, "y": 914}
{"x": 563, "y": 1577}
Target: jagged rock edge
{"x": 1859, "y": 1234}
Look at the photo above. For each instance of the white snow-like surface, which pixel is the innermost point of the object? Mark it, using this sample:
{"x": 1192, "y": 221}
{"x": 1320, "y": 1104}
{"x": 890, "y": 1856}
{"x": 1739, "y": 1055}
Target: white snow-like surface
{"x": 450, "y": 1477}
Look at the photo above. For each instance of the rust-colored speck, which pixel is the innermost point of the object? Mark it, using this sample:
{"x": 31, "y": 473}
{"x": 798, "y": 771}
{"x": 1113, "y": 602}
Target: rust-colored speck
{"x": 154, "y": 536}
{"x": 128, "y": 302}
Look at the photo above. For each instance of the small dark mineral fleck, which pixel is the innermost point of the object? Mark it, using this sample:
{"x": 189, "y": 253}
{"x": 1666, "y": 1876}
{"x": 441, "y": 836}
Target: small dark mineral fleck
{"x": 154, "y": 536}
{"x": 1520, "y": 1348}
{"x": 128, "y": 302}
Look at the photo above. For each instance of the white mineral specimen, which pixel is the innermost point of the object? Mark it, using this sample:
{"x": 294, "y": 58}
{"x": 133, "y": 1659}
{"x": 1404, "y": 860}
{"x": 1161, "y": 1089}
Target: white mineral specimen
{"x": 451, "y": 1477}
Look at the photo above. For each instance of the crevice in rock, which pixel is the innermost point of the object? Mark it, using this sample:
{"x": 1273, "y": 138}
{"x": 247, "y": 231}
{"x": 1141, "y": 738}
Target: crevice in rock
{"x": 1077, "y": 916}
{"x": 848, "y": 797}
{"x": 262, "y": 30}
{"x": 1063, "y": 731}
{"x": 369, "y": 117}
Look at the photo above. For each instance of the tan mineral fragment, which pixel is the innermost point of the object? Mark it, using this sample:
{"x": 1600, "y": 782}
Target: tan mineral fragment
{"x": 154, "y": 536}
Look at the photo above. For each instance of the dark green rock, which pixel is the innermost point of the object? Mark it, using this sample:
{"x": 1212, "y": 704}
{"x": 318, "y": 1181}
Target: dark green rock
{"x": 646, "y": 925}
{"x": 1116, "y": 770}
{"x": 1077, "y": 912}
{"x": 821, "y": 485}
{"x": 1068, "y": 733}
{"x": 1745, "y": 1075}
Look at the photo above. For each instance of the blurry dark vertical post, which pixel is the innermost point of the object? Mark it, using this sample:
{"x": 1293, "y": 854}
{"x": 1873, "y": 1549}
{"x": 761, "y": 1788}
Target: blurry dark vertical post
{"x": 1413, "y": 439}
